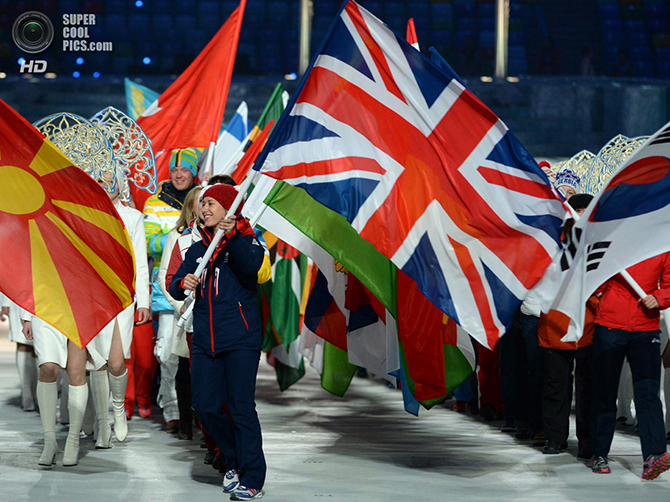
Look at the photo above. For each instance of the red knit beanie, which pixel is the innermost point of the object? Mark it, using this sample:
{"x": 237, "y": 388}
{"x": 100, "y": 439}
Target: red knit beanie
{"x": 223, "y": 194}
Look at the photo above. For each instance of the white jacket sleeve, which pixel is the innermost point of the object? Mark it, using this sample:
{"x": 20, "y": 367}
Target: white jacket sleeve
{"x": 4, "y": 301}
{"x": 162, "y": 270}
{"x": 531, "y": 306}
{"x": 142, "y": 282}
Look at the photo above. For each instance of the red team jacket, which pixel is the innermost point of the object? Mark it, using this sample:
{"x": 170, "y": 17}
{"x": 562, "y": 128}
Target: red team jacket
{"x": 619, "y": 307}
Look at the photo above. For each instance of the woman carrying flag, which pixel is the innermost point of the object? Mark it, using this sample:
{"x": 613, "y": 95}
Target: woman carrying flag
{"x": 227, "y": 340}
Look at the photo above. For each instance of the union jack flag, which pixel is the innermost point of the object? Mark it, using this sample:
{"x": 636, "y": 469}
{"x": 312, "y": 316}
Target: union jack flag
{"x": 422, "y": 170}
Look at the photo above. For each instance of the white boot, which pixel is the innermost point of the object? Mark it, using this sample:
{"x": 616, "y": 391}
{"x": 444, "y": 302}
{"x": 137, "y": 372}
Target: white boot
{"x": 89, "y": 416}
{"x": 26, "y": 365}
{"x": 47, "y": 399}
{"x": 117, "y": 384}
{"x": 100, "y": 388}
{"x": 64, "y": 387}
{"x": 77, "y": 397}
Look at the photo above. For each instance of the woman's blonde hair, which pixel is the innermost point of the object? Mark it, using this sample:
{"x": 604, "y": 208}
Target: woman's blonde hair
{"x": 186, "y": 216}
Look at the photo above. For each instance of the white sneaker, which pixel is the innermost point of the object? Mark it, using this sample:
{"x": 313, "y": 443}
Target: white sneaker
{"x": 231, "y": 481}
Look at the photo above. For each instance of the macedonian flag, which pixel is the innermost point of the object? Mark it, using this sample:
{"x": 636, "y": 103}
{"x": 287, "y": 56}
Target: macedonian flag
{"x": 65, "y": 254}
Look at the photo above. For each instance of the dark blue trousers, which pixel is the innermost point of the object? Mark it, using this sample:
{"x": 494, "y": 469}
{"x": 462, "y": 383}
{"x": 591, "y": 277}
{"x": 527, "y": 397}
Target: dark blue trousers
{"x": 535, "y": 377}
{"x": 230, "y": 377}
{"x": 643, "y": 349}
{"x": 513, "y": 370}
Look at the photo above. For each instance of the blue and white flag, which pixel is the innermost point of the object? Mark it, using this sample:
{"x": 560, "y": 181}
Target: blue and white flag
{"x": 230, "y": 142}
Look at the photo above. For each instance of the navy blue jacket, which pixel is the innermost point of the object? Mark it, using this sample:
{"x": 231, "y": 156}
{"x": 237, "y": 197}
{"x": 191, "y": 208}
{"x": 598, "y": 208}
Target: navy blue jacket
{"x": 226, "y": 315}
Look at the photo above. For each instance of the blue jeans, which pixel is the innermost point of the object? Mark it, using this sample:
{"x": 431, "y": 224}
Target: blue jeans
{"x": 643, "y": 348}
{"x": 230, "y": 378}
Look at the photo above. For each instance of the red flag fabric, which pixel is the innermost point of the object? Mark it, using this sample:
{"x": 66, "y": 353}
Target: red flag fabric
{"x": 189, "y": 113}
{"x": 411, "y": 33}
{"x": 66, "y": 256}
{"x": 249, "y": 158}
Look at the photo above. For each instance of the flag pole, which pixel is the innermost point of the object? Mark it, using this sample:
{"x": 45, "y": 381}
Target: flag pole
{"x": 633, "y": 284}
{"x": 235, "y": 158}
{"x": 306, "y": 13}
{"x": 188, "y": 311}
{"x": 209, "y": 161}
{"x": 257, "y": 215}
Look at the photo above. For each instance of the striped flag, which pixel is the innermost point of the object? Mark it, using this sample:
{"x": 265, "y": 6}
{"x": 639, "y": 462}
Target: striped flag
{"x": 411, "y": 37}
{"x": 433, "y": 357}
{"x": 230, "y": 139}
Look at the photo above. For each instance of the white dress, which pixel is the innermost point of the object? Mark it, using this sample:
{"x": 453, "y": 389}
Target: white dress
{"x": 51, "y": 345}
{"x": 134, "y": 222}
{"x": 15, "y": 327}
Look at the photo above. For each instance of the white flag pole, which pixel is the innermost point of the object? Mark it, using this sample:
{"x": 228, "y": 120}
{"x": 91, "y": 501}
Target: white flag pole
{"x": 237, "y": 155}
{"x": 633, "y": 284}
{"x": 212, "y": 247}
{"x": 209, "y": 163}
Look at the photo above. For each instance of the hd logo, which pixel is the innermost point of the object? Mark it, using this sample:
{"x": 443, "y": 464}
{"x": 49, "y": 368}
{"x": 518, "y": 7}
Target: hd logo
{"x": 33, "y": 66}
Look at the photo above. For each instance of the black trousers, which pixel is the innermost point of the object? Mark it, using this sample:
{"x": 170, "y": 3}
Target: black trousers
{"x": 557, "y": 393}
{"x": 513, "y": 371}
{"x": 583, "y": 393}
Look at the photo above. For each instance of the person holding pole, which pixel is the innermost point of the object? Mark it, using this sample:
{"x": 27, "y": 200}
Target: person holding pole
{"x": 227, "y": 338}
{"x": 627, "y": 324}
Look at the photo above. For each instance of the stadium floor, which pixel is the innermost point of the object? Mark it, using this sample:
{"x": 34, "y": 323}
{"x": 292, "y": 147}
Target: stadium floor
{"x": 363, "y": 447}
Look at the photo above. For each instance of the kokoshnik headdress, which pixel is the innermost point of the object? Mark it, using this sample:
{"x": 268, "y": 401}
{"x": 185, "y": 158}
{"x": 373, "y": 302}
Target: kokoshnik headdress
{"x": 111, "y": 145}
{"x": 596, "y": 169}
{"x": 608, "y": 160}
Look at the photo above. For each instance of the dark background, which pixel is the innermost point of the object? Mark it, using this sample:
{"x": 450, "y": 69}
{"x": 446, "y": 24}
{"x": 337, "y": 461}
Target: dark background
{"x": 555, "y": 108}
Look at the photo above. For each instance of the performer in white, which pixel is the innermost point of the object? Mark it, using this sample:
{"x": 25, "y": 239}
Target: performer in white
{"x": 26, "y": 362}
{"x": 103, "y": 150}
{"x": 54, "y": 351}
{"x": 114, "y": 341}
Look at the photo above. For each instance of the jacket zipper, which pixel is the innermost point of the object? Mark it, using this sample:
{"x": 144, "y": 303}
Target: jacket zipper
{"x": 217, "y": 282}
{"x": 242, "y": 314}
{"x": 211, "y": 320}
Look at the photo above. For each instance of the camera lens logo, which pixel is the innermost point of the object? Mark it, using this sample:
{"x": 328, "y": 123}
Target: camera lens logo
{"x": 33, "y": 32}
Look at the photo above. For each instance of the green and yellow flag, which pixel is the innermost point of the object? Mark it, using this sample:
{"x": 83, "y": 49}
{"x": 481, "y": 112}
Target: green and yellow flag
{"x": 65, "y": 254}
